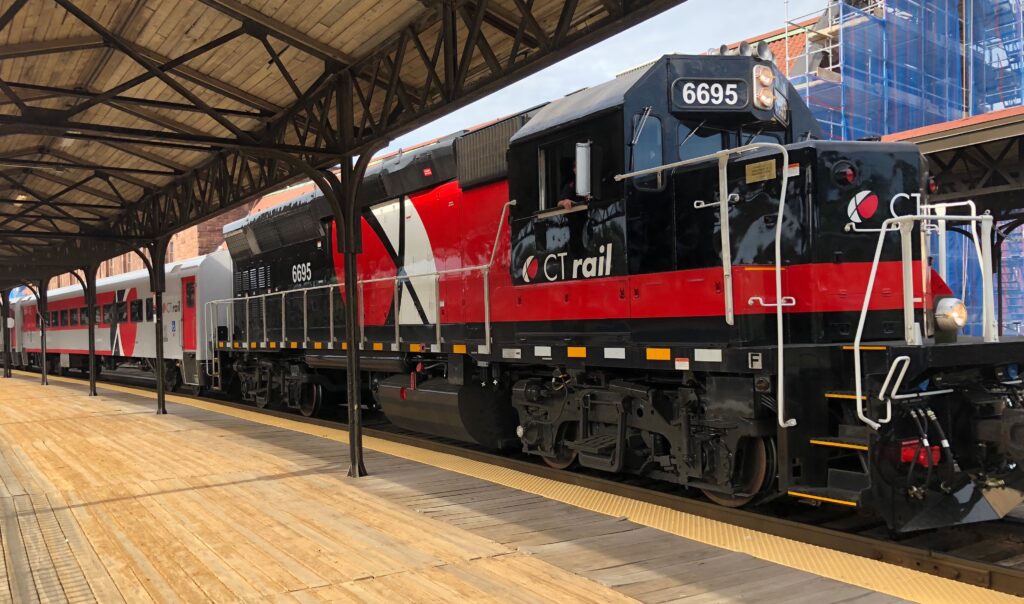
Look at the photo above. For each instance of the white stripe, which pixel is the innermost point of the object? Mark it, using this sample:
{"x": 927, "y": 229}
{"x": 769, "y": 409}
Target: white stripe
{"x": 707, "y": 355}
{"x": 542, "y": 351}
{"x": 615, "y": 353}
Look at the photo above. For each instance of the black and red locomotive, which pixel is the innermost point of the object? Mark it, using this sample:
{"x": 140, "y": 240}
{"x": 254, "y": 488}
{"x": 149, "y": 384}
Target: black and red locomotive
{"x": 668, "y": 275}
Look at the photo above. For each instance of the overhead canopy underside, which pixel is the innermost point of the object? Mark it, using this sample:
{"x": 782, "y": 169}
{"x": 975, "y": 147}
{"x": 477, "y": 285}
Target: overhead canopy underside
{"x": 124, "y": 122}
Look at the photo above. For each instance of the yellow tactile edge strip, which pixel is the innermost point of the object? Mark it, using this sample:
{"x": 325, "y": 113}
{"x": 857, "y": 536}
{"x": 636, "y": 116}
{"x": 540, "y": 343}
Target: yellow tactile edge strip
{"x": 847, "y": 568}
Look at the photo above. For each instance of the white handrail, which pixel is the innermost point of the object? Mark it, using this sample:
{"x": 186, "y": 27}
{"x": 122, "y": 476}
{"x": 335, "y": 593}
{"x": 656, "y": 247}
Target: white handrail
{"x": 484, "y": 268}
{"x": 780, "y": 301}
{"x": 902, "y": 223}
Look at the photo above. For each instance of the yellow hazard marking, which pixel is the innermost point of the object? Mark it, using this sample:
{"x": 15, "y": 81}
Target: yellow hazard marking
{"x": 459, "y": 349}
{"x": 378, "y": 346}
{"x": 273, "y": 344}
{"x": 852, "y": 504}
{"x": 838, "y": 445}
{"x": 318, "y": 345}
{"x": 344, "y": 345}
{"x": 867, "y": 347}
{"x": 847, "y": 397}
{"x": 415, "y": 347}
{"x": 577, "y": 352}
{"x": 659, "y": 354}
{"x": 295, "y": 345}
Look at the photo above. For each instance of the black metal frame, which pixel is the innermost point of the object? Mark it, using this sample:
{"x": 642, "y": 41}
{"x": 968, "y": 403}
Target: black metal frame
{"x": 353, "y": 108}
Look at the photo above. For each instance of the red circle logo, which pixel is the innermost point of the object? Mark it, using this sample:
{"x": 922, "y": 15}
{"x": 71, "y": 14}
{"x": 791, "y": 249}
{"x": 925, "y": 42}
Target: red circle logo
{"x": 862, "y": 207}
{"x": 530, "y": 268}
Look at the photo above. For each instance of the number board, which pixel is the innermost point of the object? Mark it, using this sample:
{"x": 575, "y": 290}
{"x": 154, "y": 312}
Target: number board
{"x": 707, "y": 93}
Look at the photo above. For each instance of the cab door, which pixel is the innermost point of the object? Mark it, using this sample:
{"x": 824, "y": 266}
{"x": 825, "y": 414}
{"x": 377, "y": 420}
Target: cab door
{"x": 188, "y": 314}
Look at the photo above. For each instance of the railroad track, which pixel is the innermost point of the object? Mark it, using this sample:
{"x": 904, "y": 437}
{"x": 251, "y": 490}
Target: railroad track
{"x": 987, "y": 555}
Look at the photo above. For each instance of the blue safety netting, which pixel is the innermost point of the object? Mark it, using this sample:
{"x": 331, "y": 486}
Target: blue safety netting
{"x": 882, "y": 67}
{"x": 995, "y": 60}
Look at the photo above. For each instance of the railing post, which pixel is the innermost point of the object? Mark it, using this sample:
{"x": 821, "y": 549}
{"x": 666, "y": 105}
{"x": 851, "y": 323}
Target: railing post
{"x": 437, "y": 308}
{"x": 247, "y": 320}
{"x": 330, "y": 314}
{"x": 396, "y": 303}
{"x": 284, "y": 317}
{"x": 910, "y": 330}
{"x": 941, "y": 224}
{"x": 723, "y": 210}
{"x": 263, "y": 313}
{"x": 362, "y": 315}
{"x": 990, "y": 329}
{"x": 305, "y": 321}
{"x": 487, "y": 309}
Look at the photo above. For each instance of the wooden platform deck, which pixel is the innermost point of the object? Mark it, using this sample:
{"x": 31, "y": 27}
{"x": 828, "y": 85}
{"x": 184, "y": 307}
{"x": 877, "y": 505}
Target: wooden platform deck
{"x": 101, "y": 500}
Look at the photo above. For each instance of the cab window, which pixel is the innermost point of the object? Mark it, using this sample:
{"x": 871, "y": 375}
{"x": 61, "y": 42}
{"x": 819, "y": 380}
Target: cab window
{"x": 556, "y": 164}
{"x": 697, "y": 141}
{"x": 646, "y": 150}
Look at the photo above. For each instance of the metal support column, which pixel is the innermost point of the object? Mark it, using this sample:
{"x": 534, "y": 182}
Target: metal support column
{"x": 342, "y": 196}
{"x": 88, "y": 284}
{"x": 157, "y": 282}
{"x": 5, "y": 311}
{"x": 44, "y": 319}
{"x": 90, "y": 301}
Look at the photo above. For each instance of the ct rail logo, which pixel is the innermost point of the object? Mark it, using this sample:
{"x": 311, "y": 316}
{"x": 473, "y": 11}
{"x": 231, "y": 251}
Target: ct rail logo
{"x": 862, "y": 207}
{"x": 559, "y": 267}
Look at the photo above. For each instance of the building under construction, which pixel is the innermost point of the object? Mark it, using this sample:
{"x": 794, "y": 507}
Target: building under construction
{"x": 912, "y": 70}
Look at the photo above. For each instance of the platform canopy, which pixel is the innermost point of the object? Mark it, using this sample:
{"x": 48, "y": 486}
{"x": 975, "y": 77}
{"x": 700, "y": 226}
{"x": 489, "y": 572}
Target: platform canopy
{"x": 124, "y": 122}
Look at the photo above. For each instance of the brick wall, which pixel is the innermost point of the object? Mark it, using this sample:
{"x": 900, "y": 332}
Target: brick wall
{"x": 195, "y": 241}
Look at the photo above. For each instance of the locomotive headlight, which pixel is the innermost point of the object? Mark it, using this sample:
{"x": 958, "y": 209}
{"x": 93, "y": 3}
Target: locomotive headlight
{"x": 764, "y": 87}
{"x": 950, "y": 314}
{"x": 765, "y": 99}
{"x": 764, "y": 76}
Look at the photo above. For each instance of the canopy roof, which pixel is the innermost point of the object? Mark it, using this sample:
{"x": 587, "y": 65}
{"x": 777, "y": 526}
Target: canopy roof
{"x": 124, "y": 122}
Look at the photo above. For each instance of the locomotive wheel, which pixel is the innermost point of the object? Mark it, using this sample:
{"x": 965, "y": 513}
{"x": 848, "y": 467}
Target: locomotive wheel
{"x": 564, "y": 456}
{"x": 749, "y": 475}
{"x": 309, "y": 405}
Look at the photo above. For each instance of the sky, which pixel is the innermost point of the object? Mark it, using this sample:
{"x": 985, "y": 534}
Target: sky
{"x": 690, "y": 28}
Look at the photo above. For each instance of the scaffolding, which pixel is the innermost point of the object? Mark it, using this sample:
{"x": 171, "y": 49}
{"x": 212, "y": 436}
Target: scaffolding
{"x": 995, "y": 54}
{"x": 874, "y": 67}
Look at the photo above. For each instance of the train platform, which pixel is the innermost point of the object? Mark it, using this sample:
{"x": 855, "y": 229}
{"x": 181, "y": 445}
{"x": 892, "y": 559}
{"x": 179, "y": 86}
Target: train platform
{"x": 102, "y": 500}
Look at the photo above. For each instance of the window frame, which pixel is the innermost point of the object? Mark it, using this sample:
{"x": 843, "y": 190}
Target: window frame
{"x": 659, "y": 179}
{"x": 135, "y": 311}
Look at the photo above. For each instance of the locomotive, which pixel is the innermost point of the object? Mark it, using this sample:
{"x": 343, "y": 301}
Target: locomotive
{"x": 668, "y": 275}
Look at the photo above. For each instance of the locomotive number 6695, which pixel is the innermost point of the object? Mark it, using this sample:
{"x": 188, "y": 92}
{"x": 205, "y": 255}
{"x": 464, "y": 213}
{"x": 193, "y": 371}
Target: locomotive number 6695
{"x": 302, "y": 272}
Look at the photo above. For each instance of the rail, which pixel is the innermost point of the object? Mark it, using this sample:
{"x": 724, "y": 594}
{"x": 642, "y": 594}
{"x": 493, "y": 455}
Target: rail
{"x": 911, "y": 328}
{"x": 213, "y": 308}
{"x": 724, "y": 199}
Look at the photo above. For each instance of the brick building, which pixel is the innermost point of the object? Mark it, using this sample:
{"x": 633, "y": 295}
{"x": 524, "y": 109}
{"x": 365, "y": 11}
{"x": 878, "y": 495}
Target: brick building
{"x": 195, "y": 241}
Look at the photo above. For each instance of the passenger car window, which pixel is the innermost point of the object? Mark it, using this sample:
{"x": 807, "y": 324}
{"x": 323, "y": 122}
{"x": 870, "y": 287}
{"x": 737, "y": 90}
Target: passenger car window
{"x": 64, "y": 318}
{"x": 136, "y": 311}
{"x": 73, "y": 317}
{"x": 150, "y": 309}
{"x": 122, "y": 312}
{"x": 190, "y": 295}
{"x": 108, "y": 314}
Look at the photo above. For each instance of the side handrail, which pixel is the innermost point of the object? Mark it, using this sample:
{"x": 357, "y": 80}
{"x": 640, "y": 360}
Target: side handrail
{"x": 724, "y": 199}
{"x": 904, "y": 224}
{"x": 483, "y": 268}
